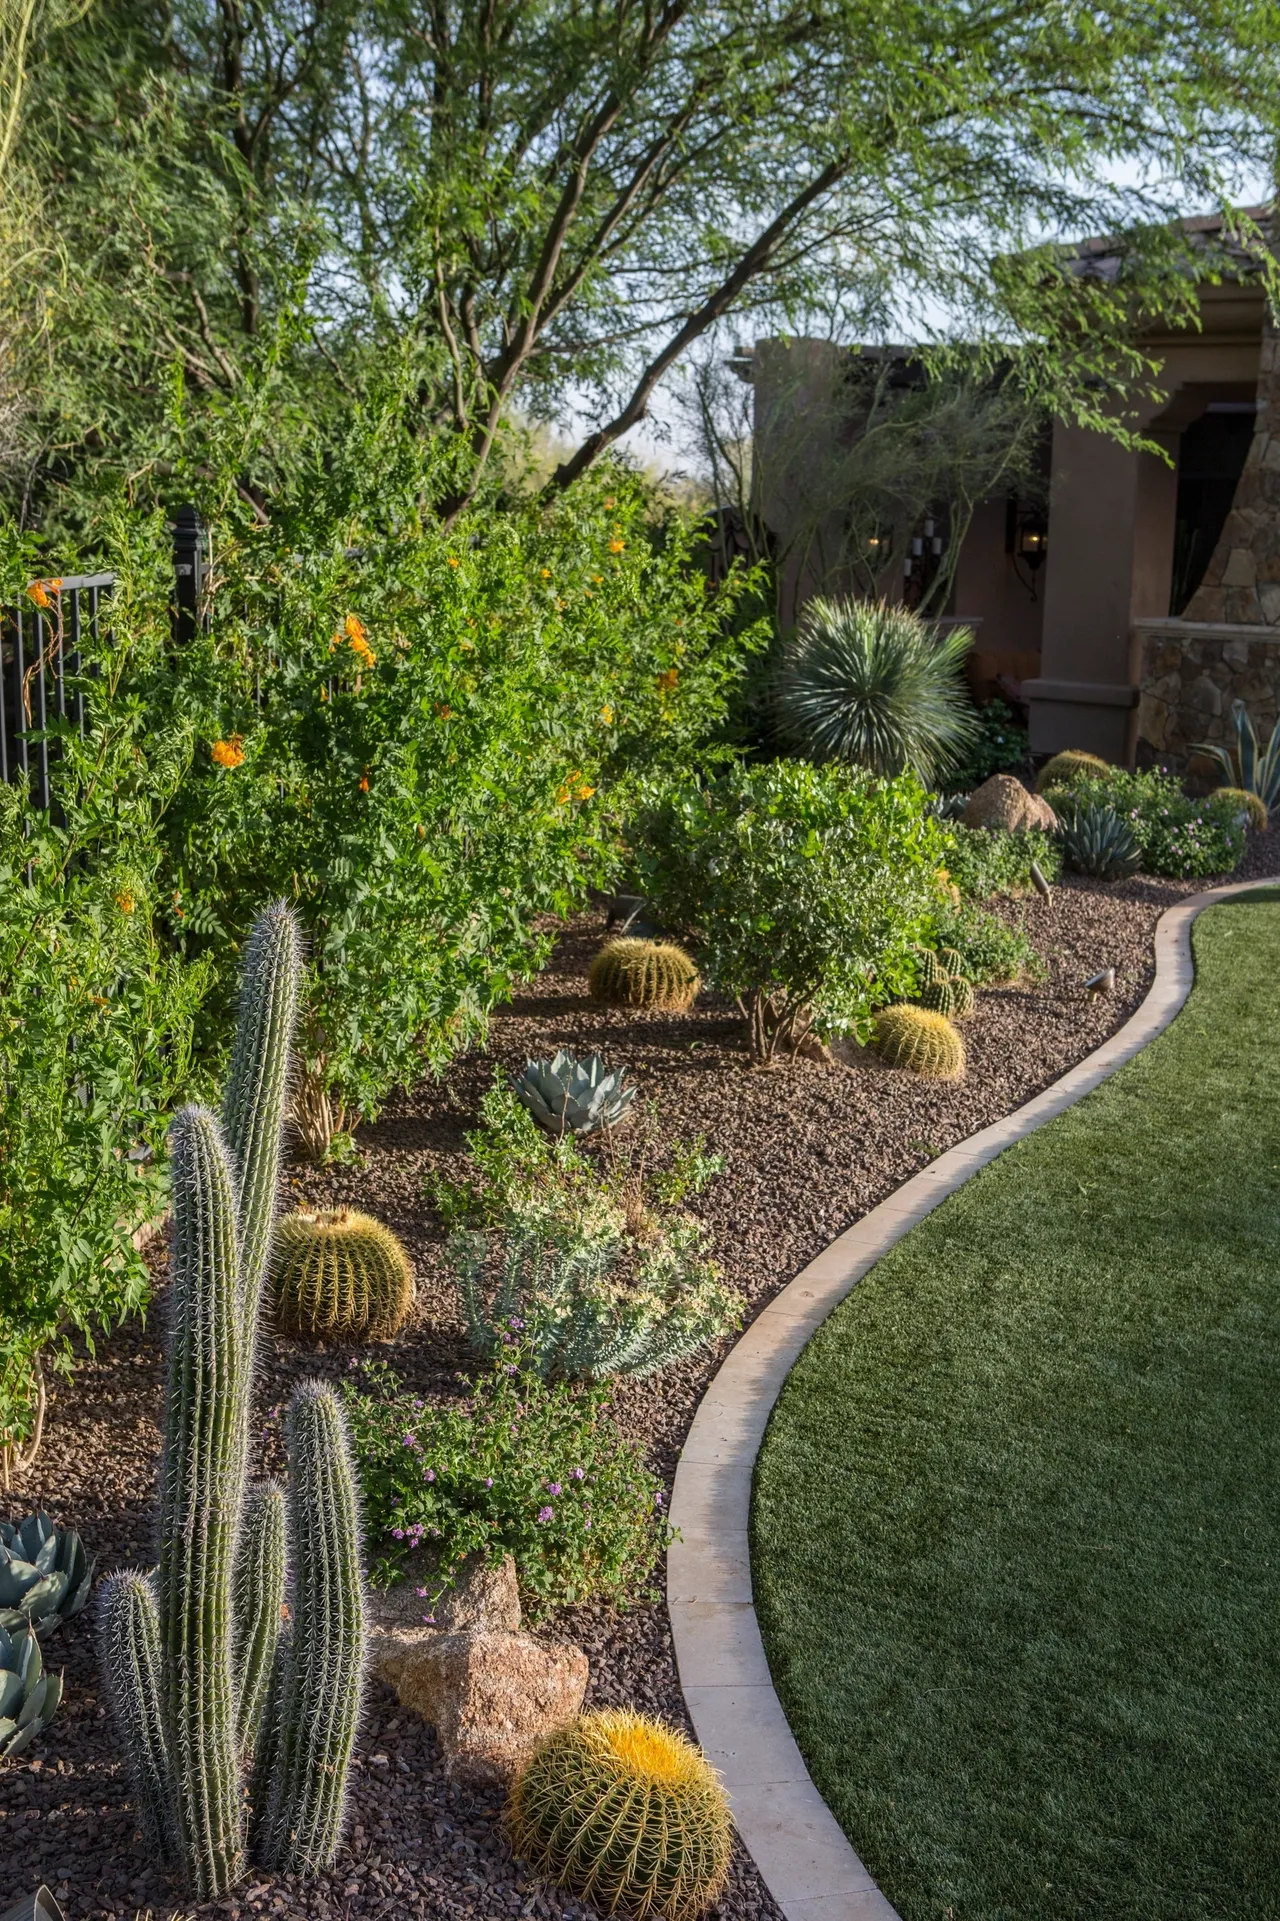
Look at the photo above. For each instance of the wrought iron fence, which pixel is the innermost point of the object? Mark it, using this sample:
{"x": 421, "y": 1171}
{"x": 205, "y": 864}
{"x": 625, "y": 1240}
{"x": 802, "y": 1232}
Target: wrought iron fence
{"x": 40, "y": 650}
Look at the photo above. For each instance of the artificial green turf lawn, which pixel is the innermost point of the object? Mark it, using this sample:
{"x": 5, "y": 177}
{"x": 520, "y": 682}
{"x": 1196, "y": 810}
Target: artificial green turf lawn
{"x": 1016, "y": 1530}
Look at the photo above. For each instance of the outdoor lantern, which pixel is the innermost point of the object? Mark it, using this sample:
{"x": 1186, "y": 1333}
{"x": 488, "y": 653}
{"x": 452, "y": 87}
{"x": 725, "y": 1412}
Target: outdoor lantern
{"x": 1033, "y": 541}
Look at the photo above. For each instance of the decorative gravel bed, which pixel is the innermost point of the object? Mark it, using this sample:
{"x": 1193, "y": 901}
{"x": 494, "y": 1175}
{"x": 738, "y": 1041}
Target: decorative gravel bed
{"x": 808, "y": 1147}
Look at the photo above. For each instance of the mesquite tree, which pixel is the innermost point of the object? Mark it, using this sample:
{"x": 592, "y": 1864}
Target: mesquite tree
{"x": 204, "y": 1683}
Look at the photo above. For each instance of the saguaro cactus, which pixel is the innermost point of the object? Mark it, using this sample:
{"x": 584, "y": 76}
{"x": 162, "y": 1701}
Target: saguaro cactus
{"x": 203, "y": 1682}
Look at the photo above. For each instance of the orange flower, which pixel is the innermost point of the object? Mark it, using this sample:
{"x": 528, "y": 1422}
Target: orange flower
{"x": 666, "y": 683}
{"x": 40, "y": 590}
{"x": 228, "y": 753}
{"x": 443, "y": 709}
{"x": 358, "y": 641}
{"x": 453, "y": 562}
{"x": 364, "y": 783}
{"x": 617, "y": 546}
{"x": 546, "y": 573}
{"x": 124, "y": 901}
{"x": 583, "y": 792}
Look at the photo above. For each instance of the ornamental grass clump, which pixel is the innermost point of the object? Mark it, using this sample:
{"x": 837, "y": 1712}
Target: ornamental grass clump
{"x": 201, "y": 1672}
{"x": 644, "y": 973}
{"x": 626, "y": 1814}
{"x": 920, "y": 1041}
{"x": 338, "y": 1274}
{"x": 875, "y": 685}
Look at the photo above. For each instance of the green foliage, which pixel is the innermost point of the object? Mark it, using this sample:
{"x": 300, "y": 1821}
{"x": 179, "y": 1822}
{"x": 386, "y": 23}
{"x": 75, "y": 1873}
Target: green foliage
{"x": 537, "y": 1471}
{"x": 1237, "y": 800}
{"x": 991, "y": 953}
{"x": 28, "y": 1696}
{"x": 96, "y": 1024}
{"x": 339, "y": 1274}
{"x": 1096, "y": 840}
{"x": 876, "y": 686}
{"x": 585, "y": 1306}
{"x": 1244, "y": 764}
{"x": 1173, "y": 834}
{"x": 986, "y": 860}
{"x": 45, "y": 1574}
{"x": 919, "y": 1040}
{"x": 998, "y": 746}
{"x": 807, "y": 885}
{"x": 566, "y": 1095}
{"x": 185, "y": 1658}
{"x": 1072, "y": 765}
{"x": 644, "y": 973}
{"x": 625, "y": 1813}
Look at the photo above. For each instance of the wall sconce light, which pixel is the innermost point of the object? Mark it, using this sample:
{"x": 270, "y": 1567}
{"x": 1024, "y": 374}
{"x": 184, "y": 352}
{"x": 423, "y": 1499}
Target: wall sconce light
{"x": 1033, "y": 542}
{"x": 1026, "y": 541}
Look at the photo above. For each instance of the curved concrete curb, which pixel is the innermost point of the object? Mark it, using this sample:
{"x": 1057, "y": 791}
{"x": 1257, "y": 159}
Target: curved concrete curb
{"x": 795, "y": 1840}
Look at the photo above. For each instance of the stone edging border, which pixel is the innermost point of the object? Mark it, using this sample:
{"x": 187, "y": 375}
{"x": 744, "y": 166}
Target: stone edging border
{"x": 796, "y": 1843}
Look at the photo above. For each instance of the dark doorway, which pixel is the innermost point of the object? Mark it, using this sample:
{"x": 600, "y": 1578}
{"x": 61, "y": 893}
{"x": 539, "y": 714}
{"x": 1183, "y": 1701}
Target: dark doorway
{"x": 1210, "y": 457}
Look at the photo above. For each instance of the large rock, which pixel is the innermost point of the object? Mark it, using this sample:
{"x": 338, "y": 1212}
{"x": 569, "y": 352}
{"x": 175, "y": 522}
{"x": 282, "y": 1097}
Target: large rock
{"x": 1004, "y": 802}
{"x": 491, "y": 1697}
{"x": 399, "y": 1618}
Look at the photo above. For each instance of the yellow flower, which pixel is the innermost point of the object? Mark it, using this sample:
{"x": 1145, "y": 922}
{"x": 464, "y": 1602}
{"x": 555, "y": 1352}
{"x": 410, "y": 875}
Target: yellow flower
{"x": 354, "y": 629}
{"x": 546, "y": 573}
{"x": 124, "y": 901}
{"x": 583, "y": 792}
{"x": 617, "y": 546}
{"x": 609, "y": 500}
{"x": 467, "y": 646}
{"x": 559, "y": 606}
{"x": 228, "y": 753}
{"x": 454, "y": 562}
{"x": 606, "y": 714}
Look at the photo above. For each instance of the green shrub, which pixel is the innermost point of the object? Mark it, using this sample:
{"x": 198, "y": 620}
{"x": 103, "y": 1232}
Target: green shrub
{"x": 1175, "y": 835}
{"x": 991, "y": 952}
{"x": 520, "y": 1467}
{"x": 987, "y": 860}
{"x": 876, "y": 686}
{"x": 589, "y": 1306}
{"x": 807, "y": 886}
{"x": 999, "y": 746}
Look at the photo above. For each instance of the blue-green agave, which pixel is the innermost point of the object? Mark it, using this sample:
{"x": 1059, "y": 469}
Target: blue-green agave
{"x": 45, "y": 1574}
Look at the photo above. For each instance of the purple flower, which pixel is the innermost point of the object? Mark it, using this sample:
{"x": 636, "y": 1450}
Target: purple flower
{"x": 397, "y": 1533}
{"x": 418, "y": 1406}
{"x": 512, "y": 1368}
{"x": 421, "y": 1593}
{"x": 586, "y": 1524}
{"x": 515, "y": 1323}
{"x": 549, "y": 1514}
{"x": 353, "y": 1362}
{"x": 659, "y": 1498}
{"x": 489, "y": 1481}
{"x": 553, "y": 1487}
{"x": 577, "y": 1473}
{"x": 408, "y": 1440}
{"x": 428, "y": 1474}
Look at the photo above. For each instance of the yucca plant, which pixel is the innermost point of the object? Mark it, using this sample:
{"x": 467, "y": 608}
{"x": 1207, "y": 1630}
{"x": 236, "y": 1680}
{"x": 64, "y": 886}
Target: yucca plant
{"x": 203, "y": 1680}
{"x": 1246, "y": 765}
{"x": 1098, "y": 841}
{"x": 876, "y": 685}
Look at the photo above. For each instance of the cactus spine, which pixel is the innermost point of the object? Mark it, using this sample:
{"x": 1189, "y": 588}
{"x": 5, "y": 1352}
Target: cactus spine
{"x": 644, "y": 973}
{"x": 318, "y": 1705}
{"x": 189, "y": 1668}
{"x": 338, "y": 1272}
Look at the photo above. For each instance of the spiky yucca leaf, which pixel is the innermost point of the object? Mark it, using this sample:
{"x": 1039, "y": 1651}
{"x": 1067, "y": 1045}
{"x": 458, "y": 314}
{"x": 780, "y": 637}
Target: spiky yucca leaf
{"x": 876, "y": 685}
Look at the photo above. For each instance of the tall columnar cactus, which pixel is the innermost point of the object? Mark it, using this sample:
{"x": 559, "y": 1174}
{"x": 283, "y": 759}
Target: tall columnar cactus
{"x": 202, "y": 1679}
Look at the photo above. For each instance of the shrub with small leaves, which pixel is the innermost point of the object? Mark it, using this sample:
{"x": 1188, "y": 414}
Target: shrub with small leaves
{"x": 987, "y": 860}
{"x": 988, "y": 951}
{"x": 625, "y": 1813}
{"x": 517, "y": 1467}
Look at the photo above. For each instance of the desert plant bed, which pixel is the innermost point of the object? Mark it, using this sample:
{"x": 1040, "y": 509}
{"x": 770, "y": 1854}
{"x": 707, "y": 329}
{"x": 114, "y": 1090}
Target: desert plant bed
{"x": 1015, "y": 1537}
{"x": 808, "y": 1148}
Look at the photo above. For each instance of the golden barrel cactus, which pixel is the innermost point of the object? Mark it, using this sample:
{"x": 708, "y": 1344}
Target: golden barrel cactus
{"x": 339, "y": 1275}
{"x": 1061, "y": 770}
{"x": 626, "y": 1814}
{"x": 922, "y": 1041}
{"x": 1252, "y": 806}
{"x": 644, "y": 973}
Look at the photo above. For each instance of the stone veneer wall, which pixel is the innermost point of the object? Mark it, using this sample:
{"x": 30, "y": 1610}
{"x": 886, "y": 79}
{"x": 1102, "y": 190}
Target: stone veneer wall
{"x": 1189, "y": 679}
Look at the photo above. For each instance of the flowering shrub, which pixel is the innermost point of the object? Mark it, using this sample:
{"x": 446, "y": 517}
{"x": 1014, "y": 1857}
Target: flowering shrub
{"x": 807, "y": 888}
{"x": 539, "y": 1472}
{"x": 1176, "y": 835}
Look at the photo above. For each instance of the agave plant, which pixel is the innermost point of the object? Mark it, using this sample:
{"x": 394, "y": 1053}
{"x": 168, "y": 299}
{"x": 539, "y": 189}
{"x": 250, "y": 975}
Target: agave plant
{"x": 570, "y": 1096}
{"x": 876, "y": 685}
{"x": 1255, "y": 769}
{"x": 1098, "y": 841}
{"x": 28, "y": 1696}
{"x": 45, "y": 1575}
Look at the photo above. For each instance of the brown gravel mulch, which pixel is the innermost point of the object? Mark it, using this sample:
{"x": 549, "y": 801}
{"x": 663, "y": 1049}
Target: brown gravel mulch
{"x": 809, "y": 1148}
